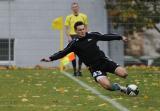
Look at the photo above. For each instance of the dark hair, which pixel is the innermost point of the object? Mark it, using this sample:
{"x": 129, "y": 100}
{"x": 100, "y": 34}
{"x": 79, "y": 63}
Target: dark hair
{"x": 74, "y": 3}
{"x": 78, "y": 24}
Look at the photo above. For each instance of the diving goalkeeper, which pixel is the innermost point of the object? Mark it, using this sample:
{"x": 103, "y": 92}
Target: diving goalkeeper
{"x": 85, "y": 47}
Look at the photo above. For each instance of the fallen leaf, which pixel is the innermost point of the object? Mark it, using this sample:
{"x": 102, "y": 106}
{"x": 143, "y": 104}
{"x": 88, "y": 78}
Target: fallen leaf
{"x": 22, "y": 81}
{"x": 35, "y": 96}
{"x": 146, "y": 97}
{"x": 90, "y": 97}
{"x": 46, "y": 107}
{"x": 75, "y": 96}
{"x": 54, "y": 72}
{"x": 24, "y": 100}
{"x": 135, "y": 106}
{"x": 103, "y": 104}
{"x": 79, "y": 104}
{"x": 38, "y": 84}
{"x": 61, "y": 90}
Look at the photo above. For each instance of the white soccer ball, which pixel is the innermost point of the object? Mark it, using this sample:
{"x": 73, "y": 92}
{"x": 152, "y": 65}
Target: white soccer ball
{"x": 132, "y": 90}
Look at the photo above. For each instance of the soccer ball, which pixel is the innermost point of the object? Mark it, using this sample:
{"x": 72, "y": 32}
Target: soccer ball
{"x": 132, "y": 90}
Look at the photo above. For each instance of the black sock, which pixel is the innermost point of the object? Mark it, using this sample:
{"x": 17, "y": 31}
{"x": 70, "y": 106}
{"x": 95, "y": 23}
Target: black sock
{"x": 115, "y": 87}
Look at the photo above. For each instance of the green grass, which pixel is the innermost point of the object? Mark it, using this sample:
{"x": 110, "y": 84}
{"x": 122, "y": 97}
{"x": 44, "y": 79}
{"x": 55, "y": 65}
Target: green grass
{"x": 148, "y": 82}
{"x": 49, "y": 90}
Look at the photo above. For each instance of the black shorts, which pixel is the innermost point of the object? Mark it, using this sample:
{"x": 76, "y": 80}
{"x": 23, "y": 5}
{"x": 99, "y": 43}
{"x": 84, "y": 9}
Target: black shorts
{"x": 102, "y": 67}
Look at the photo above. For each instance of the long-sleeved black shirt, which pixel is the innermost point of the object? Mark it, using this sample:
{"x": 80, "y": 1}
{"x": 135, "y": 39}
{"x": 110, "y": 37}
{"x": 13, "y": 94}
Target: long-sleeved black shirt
{"x": 86, "y": 48}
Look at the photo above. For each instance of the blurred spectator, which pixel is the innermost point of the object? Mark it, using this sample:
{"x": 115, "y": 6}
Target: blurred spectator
{"x": 71, "y": 19}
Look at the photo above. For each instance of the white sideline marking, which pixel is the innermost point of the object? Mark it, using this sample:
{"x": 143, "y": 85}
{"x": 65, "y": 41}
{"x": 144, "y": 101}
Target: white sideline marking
{"x": 94, "y": 91}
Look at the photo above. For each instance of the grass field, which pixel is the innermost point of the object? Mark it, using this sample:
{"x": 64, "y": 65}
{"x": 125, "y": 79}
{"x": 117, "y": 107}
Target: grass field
{"x": 50, "y": 90}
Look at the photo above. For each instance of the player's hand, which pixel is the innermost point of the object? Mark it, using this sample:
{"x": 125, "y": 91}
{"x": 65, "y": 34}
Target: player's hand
{"x": 45, "y": 60}
{"x": 124, "y": 39}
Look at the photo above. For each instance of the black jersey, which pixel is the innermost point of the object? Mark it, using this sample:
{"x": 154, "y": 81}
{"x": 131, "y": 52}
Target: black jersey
{"x": 86, "y": 48}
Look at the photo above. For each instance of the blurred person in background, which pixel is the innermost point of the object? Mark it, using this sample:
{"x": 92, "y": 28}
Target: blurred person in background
{"x": 71, "y": 19}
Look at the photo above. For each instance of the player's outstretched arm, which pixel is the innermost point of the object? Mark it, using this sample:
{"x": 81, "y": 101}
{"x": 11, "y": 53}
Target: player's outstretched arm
{"x": 107, "y": 37}
{"x": 60, "y": 54}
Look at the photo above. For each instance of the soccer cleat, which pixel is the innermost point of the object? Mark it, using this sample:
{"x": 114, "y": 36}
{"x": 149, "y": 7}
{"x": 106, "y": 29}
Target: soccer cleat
{"x": 79, "y": 73}
{"x": 122, "y": 88}
{"x": 74, "y": 74}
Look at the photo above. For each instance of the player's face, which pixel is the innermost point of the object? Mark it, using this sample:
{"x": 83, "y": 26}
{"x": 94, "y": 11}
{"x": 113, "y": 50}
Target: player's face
{"x": 75, "y": 8}
{"x": 81, "y": 31}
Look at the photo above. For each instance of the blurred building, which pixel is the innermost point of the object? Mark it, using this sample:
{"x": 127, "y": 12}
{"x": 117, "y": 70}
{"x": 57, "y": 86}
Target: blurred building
{"x": 26, "y": 35}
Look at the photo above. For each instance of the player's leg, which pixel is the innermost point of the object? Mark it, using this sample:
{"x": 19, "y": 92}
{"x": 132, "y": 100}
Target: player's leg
{"x": 101, "y": 78}
{"x": 79, "y": 73}
{"x": 112, "y": 67}
{"x": 105, "y": 83}
{"x": 120, "y": 71}
{"x": 74, "y": 61}
{"x": 74, "y": 67}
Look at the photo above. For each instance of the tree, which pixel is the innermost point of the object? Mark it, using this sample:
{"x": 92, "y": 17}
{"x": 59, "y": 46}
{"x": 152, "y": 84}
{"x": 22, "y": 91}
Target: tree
{"x": 134, "y": 15}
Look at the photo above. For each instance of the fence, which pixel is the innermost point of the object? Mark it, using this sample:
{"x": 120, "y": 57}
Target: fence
{"x": 140, "y": 21}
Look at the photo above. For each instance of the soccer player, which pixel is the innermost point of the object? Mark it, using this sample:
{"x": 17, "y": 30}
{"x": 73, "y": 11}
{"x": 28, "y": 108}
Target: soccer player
{"x": 70, "y": 32}
{"x": 85, "y": 46}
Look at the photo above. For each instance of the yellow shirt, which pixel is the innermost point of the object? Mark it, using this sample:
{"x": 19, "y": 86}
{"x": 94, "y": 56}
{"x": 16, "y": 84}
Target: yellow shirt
{"x": 72, "y": 19}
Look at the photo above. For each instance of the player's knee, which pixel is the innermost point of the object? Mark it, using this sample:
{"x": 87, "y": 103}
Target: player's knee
{"x": 124, "y": 75}
{"x": 120, "y": 71}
